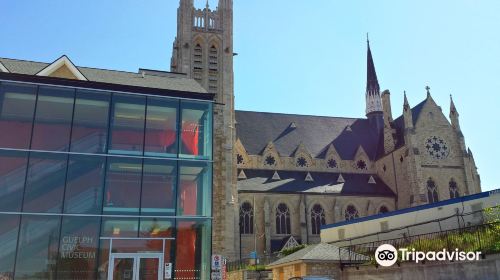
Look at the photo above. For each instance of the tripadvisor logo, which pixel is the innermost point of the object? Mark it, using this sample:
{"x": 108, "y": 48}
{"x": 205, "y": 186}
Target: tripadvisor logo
{"x": 387, "y": 255}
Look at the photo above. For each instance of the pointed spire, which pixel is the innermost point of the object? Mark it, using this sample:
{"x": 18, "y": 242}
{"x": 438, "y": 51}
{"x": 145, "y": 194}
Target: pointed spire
{"x": 406, "y": 104}
{"x": 455, "y": 123}
{"x": 373, "y": 99}
{"x": 372, "y": 85}
{"x": 453, "y": 109}
{"x": 208, "y": 6}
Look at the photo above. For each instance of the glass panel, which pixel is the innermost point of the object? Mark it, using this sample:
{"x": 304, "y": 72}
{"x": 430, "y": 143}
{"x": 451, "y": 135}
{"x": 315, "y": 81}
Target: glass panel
{"x": 8, "y": 242}
{"x": 78, "y": 248}
{"x": 193, "y": 250}
{"x": 13, "y": 166}
{"x": 161, "y": 127}
{"x": 155, "y": 228}
{"x": 149, "y": 268}
{"x": 158, "y": 187}
{"x": 127, "y": 124}
{"x": 195, "y": 189}
{"x": 45, "y": 183}
{"x": 90, "y": 122}
{"x": 123, "y": 269}
{"x": 17, "y": 106}
{"x": 123, "y": 186}
{"x": 196, "y": 129}
{"x": 38, "y": 244}
{"x": 84, "y": 184}
{"x": 54, "y": 111}
{"x": 119, "y": 227}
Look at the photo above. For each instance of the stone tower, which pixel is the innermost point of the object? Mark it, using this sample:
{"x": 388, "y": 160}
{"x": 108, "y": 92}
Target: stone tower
{"x": 203, "y": 49}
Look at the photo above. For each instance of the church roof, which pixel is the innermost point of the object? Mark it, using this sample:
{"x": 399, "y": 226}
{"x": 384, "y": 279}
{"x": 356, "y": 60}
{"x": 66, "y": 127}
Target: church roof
{"x": 152, "y": 79}
{"x": 399, "y": 123}
{"x": 316, "y": 133}
{"x": 318, "y": 253}
{"x": 324, "y": 183}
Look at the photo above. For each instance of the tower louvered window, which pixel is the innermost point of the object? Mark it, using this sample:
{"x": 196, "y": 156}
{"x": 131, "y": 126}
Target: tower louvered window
{"x": 317, "y": 218}
{"x": 246, "y": 218}
{"x": 198, "y": 63}
{"x": 213, "y": 70}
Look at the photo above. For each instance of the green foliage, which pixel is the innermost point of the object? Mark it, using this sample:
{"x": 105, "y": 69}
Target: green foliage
{"x": 289, "y": 251}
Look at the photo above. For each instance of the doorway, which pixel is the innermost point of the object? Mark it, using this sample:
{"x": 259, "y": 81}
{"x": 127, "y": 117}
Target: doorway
{"x": 135, "y": 266}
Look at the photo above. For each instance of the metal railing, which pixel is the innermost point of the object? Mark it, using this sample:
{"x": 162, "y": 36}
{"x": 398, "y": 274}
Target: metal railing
{"x": 484, "y": 238}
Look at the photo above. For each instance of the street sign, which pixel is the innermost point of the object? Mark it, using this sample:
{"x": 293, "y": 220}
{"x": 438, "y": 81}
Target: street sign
{"x": 216, "y": 262}
{"x": 168, "y": 270}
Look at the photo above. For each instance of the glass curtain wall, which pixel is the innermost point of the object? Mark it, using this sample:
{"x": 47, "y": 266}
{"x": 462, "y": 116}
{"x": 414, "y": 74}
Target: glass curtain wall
{"x": 80, "y": 167}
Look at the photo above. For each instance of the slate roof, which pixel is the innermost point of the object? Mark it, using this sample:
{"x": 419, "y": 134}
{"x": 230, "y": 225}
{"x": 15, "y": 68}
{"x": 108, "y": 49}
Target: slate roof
{"x": 320, "y": 252}
{"x": 168, "y": 81}
{"x": 316, "y": 133}
{"x": 324, "y": 183}
{"x": 399, "y": 123}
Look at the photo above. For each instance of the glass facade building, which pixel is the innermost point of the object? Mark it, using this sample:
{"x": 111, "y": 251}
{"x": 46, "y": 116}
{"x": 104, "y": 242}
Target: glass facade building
{"x": 99, "y": 184}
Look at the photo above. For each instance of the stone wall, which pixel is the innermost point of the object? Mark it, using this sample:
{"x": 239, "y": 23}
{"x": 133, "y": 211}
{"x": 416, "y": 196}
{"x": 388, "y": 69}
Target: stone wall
{"x": 334, "y": 207}
{"x": 488, "y": 269}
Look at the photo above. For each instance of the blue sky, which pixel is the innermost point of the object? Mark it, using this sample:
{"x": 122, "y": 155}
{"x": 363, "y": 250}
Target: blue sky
{"x": 295, "y": 56}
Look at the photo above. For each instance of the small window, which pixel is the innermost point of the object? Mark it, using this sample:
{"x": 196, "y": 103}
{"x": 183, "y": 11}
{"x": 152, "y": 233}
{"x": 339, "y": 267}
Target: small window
{"x": 383, "y": 209}
{"x": 453, "y": 189}
{"x": 351, "y": 213}
{"x": 317, "y": 218}
{"x": 283, "y": 219}
{"x": 246, "y": 218}
{"x": 432, "y": 193}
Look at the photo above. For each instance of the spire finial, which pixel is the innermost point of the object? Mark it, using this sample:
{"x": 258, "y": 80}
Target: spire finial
{"x": 367, "y": 39}
{"x": 207, "y": 5}
{"x": 453, "y": 109}
{"x": 406, "y": 104}
{"x": 428, "y": 90}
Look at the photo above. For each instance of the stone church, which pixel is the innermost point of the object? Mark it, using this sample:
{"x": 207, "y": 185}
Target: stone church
{"x": 278, "y": 176}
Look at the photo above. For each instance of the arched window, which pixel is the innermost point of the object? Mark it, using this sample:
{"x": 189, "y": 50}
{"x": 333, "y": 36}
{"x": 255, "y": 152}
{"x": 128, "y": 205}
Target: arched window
{"x": 283, "y": 219}
{"x": 317, "y": 218}
{"x": 246, "y": 218}
{"x": 351, "y": 213}
{"x": 383, "y": 209}
{"x": 213, "y": 70}
{"x": 454, "y": 189}
{"x": 432, "y": 193}
{"x": 198, "y": 63}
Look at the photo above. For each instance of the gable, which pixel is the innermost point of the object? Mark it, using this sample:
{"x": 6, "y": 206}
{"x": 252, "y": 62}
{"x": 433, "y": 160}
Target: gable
{"x": 62, "y": 68}
{"x": 431, "y": 115}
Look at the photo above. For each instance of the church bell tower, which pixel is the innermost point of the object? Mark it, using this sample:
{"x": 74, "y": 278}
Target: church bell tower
{"x": 203, "y": 49}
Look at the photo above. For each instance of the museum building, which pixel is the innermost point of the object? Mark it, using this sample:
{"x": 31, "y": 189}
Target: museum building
{"x": 103, "y": 174}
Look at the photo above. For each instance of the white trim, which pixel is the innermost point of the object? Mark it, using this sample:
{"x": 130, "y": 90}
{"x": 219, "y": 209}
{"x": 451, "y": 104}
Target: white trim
{"x": 62, "y": 61}
{"x": 3, "y": 68}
